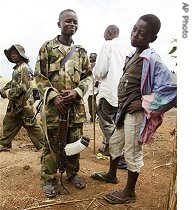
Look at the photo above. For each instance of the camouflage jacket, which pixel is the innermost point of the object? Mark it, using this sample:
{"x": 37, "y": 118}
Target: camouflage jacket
{"x": 76, "y": 74}
{"x": 19, "y": 92}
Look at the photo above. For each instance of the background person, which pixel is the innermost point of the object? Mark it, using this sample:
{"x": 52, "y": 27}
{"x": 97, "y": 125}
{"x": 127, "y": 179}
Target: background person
{"x": 108, "y": 70}
{"x": 93, "y": 90}
{"x": 20, "y": 109}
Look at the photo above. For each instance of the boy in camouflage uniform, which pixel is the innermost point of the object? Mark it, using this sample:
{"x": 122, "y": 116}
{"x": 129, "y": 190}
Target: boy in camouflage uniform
{"x": 20, "y": 109}
{"x": 54, "y": 81}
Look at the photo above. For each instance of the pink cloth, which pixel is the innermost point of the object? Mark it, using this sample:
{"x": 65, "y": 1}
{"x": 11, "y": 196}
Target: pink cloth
{"x": 151, "y": 126}
{"x": 153, "y": 121}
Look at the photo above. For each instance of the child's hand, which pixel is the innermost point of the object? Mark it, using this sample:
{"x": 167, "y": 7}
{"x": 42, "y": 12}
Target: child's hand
{"x": 3, "y": 94}
{"x": 58, "y": 103}
{"x": 135, "y": 106}
{"x": 69, "y": 96}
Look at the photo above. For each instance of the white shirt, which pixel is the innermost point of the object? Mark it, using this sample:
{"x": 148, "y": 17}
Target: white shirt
{"x": 109, "y": 69}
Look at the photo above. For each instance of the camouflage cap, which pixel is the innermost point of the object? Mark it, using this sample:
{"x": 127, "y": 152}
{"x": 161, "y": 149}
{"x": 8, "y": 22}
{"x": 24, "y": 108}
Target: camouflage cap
{"x": 19, "y": 49}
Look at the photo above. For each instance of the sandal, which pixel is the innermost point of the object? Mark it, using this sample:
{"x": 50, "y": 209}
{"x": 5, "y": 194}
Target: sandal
{"x": 113, "y": 198}
{"x": 102, "y": 176}
{"x": 50, "y": 190}
{"x": 77, "y": 182}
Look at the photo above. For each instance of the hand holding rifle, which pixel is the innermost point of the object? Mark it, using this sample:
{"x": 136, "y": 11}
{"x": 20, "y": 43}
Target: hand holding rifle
{"x": 61, "y": 101}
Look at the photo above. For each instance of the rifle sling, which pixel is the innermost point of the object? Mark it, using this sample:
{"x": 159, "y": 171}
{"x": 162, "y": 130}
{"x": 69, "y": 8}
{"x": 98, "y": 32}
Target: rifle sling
{"x": 69, "y": 54}
{"x": 62, "y": 62}
{"x": 44, "y": 123}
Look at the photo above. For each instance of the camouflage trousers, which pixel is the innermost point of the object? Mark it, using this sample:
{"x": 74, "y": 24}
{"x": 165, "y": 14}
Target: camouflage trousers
{"x": 13, "y": 124}
{"x": 48, "y": 165}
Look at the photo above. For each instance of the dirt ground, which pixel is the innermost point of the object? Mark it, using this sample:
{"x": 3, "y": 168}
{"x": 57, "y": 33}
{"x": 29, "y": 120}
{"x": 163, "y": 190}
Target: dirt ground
{"x": 20, "y": 174}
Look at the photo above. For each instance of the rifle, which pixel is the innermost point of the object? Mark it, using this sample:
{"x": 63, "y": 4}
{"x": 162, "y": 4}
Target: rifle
{"x": 62, "y": 141}
{"x": 67, "y": 149}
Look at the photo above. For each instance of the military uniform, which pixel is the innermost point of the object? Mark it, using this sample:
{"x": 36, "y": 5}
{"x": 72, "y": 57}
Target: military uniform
{"x": 20, "y": 109}
{"x": 52, "y": 78}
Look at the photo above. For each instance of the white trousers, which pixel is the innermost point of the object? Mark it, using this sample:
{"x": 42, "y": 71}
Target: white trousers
{"x": 125, "y": 140}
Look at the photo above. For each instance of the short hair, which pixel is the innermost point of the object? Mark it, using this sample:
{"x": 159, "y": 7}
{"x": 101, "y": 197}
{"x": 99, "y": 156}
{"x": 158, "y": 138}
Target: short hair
{"x": 93, "y": 54}
{"x": 153, "y": 21}
{"x": 113, "y": 29}
{"x": 64, "y": 11}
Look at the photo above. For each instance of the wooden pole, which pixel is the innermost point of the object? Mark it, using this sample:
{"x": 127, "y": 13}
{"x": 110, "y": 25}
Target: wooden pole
{"x": 93, "y": 114}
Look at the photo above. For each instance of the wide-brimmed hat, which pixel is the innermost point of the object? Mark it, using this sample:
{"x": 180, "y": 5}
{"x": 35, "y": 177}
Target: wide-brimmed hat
{"x": 19, "y": 49}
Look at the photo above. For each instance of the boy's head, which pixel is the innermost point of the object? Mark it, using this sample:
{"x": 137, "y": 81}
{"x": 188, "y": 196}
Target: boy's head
{"x": 111, "y": 32}
{"x": 16, "y": 53}
{"x": 68, "y": 22}
{"x": 153, "y": 21}
{"x": 145, "y": 31}
{"x": 92, "y": 57}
